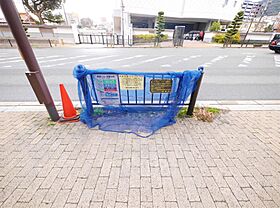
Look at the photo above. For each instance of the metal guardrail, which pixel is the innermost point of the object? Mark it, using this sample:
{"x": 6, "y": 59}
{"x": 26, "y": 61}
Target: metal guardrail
{"x": 102, "y": 39}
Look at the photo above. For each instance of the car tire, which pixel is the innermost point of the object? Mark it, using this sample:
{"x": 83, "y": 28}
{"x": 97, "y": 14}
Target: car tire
{"x": 277, "y": 51}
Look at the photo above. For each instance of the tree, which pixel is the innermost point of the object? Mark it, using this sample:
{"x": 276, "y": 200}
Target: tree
{"x": 86, "y": 22}
{"x": 215, "y": 26}
{"x": 269, "y": 28}
{"x": 43, "y": 10}
{"x": 233, "y": 28}
{"x": 160, "y": 26}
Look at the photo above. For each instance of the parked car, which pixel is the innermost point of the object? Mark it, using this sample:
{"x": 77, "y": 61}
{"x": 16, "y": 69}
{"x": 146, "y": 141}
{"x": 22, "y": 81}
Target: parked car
{"x": 275, "y": 43}
{"x": 192, "y": 35}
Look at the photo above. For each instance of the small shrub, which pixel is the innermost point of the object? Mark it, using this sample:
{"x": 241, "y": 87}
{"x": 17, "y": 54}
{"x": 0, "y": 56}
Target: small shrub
{"x": 236, "y": 38}
{"x": 149, "y": 37}
{"x": 219, "y": 38}
{"x": 182, "y": 113}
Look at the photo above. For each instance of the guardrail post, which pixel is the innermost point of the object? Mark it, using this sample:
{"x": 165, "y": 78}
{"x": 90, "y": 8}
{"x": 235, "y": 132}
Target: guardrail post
{"x": 102, "y": 38}
{"x": 194, "y": 96}
{"x": 79, "y": 39}
{"x": 90, "y": 39}
{"x": 10, "y": 43}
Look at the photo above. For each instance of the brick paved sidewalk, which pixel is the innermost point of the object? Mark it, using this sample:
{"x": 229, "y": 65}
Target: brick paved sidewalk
{"x": 232, "y": 162}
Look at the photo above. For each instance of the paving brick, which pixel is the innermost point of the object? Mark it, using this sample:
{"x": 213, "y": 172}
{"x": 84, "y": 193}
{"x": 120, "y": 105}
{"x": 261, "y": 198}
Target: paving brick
{"x": 206, "y": 198}
{"x": 134, "y": 198}
{"x": 47, "y": 183}
{"x": 114, "y": 177}
{"x": 190, "y": 159}
{"x": 230, "y": 198}
{"x": 13, "y": 198}
{"x": 61, "y": 199}
{"x": 145, "y": 168}
{"x": 236, "y": 189}
{"x": 158, "y": 198}
{"x": 261, "y": 192}
{"x": 92, "y": 179}
{"x": 168, "y": 188}
{"x": 184, "y": 168}
{"x": 53, "y": 190}
{"x": 106, "y": 167}
{"x": 146, "y": 191}
{"x": 71, "y": 178}
{"x": 213, "y": 189}
{"x": 253, "y": 197}
{"x": 125, "y": 168}
{"x": 191, "y": 189}
{"x": 153, "y": 159}
{"x": 182, "y": 198}
{"x": 164, "y": 167}
{"x": 76, "y": 191}
{"x": 121, "y": 205}
{"x": 85, "y": 198}
{"x": 31, "y": 190}
{"x": 123, "y": 190}
{"x": 197, "y": 177}
{"x": 110, "y": 198}
{"x": 100, "y": 189}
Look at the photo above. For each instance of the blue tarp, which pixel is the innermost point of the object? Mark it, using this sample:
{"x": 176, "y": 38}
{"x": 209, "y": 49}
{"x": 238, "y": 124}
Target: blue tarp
{"x": 132, "y": 102}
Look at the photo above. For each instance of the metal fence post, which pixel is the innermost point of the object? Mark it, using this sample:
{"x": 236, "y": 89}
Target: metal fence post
{"x": 194, "y": 96}
{"x": 34, "y": 75}
{"x": 79, "y": 39}
{"x": 90, "y": 39}
{"x": 102, "y": 38}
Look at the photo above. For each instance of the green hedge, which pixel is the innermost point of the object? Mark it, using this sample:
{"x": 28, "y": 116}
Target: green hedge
{"x": 220, "y": 38}
{"x": 148, "y": 37}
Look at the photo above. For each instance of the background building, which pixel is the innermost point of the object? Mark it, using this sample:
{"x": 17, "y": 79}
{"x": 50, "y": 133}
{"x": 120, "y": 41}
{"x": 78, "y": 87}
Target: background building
{"x": 193, "y": 14}
{"x": 273, "y": 8}
{"x": 252, "y": 9}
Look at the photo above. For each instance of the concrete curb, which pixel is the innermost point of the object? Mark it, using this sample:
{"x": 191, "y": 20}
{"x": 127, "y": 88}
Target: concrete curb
{"x": 234, "y": 105}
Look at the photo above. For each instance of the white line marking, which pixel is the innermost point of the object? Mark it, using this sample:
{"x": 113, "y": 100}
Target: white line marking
{"x": 11, "y": 58}
{"x": 153, "y": 59}
{"x": 277, "y": 61}
{"x": 7, "y": 66}
{"x": 242, "y": 65}
{"x": 96, "y": 58}
{"x": 247, "y": 60}
{"x": 128, "y": 58}
{"x": 166, "y": 65}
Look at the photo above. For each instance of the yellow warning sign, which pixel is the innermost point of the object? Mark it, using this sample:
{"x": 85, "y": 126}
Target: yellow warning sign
{"x": 131, "y": 82}
{"x": 160, "y": 85}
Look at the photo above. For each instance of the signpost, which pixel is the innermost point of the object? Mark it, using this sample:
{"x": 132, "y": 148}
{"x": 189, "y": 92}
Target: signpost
{"x": 34, "y": 74}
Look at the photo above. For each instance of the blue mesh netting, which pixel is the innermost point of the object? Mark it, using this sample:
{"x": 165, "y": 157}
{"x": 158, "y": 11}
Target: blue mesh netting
{"x": 132, "y": 102}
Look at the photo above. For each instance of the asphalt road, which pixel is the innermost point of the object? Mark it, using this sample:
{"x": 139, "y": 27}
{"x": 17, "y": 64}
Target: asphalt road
{"x": 230, "y": 74}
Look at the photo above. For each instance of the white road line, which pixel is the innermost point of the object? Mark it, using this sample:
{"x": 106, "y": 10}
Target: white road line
{"x": 277, "y": 61}
{"x": 128, "y": 58}
{"x": 214, "y": 60}
{"x": 153, "y": 59}
{"x": 191, "y": 57}
{"x": 247, "y": 60}
{"x": 14, "y": 61}
{"x": 11, "y": 58}
{"x": 62, "y": 59}
{"x": 145, "y": 61}
{"x": 6, "y": 66}
{"x": 96, "y": 58}
{"x": 46, "y": 57}
{"x": 166, "y": 65}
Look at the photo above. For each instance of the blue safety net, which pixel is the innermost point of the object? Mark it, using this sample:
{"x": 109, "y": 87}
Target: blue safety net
{"x": 133, "y": 102}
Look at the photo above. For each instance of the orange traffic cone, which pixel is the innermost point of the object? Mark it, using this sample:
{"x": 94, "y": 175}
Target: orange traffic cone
{"x": 69, "y": 112}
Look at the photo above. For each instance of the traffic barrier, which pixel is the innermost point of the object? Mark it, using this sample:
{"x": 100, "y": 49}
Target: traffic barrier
{"x": 134, "y": 102}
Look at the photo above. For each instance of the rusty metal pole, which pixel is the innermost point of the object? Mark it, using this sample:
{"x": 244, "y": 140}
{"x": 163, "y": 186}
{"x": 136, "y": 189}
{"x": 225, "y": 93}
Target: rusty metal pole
{"x": 34, "y": 74}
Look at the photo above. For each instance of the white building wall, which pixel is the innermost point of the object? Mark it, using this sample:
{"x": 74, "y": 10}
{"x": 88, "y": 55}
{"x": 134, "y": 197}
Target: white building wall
{"x": 194, "y": 9}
